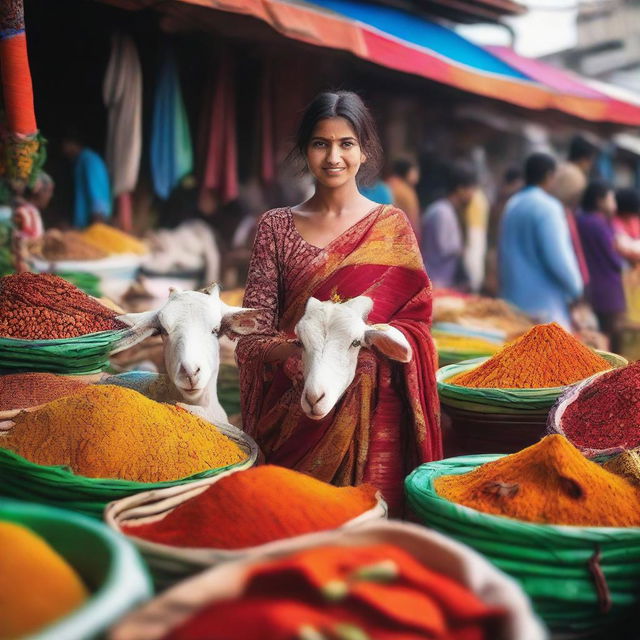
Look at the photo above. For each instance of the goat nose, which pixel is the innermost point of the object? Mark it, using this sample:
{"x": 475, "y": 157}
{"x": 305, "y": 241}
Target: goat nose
{"x": 313, "y": 398}
{"x": 189, "y": 371}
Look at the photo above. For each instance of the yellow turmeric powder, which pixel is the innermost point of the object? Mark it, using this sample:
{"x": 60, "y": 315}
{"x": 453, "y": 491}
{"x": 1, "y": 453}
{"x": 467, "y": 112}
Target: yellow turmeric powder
{"x": 112, "y": 240}
{"x": 549, "y": 482}
{"x": 452, "y": 342}
{"x": 106, "y": 431}
{"x": 545, "y": 356}
{"x": 37, "y": 586}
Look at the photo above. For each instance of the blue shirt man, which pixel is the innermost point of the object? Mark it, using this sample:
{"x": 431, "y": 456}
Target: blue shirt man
{"x": 91, "y": 182}
{"x": 539, "y": 270}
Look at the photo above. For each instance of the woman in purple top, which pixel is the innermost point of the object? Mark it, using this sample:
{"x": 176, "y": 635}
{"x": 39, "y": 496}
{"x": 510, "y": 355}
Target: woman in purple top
{"x": 605, "y": 289}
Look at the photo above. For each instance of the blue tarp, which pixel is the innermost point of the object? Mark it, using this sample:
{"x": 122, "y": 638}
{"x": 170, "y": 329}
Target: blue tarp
{"x": 422, "y": 32}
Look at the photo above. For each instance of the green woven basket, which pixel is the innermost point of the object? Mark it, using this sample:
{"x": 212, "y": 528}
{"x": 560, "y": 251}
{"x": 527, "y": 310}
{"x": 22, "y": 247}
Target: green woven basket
{"x": 58, "y": 486}
{"x": 501, "y": 400}
{"x": 108, "y": 564}
{"x": 550, "y": 562}
{"x": 82, "y": 355}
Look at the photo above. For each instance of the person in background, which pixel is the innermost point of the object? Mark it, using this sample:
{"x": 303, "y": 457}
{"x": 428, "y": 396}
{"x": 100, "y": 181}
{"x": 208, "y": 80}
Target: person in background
{"x": 538, "y": 268}
{"x": 512, "y": 182}
{"x": 91, "y": 182}
{"x": 626, "y": 226}
{"x": 476, "y": 219}
{"x": 442, "y": 234}
{"x": 568, "y": 186}
{"x": 377, "y": 192}
{"x": 402, "y": 181}
{"x": 605, "y": 290}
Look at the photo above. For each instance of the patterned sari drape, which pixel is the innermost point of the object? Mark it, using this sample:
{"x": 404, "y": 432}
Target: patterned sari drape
{"x": 388, "y": 420}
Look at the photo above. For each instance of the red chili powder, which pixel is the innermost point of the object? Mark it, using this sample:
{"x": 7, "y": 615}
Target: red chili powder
{"x": 22, "y": 390}
{"x": 256, "y": 506}
{"x": 606, "y": 414}
{"x": 45, "y": 307}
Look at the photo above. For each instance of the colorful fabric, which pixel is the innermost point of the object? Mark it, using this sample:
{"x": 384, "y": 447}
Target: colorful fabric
{"x": 171, "y": 149}
{"x": 605, "y": 264}
{"x": 122, "y": 94}
{"x": 388, "y": 421}
{"x": 476, "y": 217}
{"x": 220, "y": 164}
{"x": 538, "y": 267}
{"x": 92, "y": 188}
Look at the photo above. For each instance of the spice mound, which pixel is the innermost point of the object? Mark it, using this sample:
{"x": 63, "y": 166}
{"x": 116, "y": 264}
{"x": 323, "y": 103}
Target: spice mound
{"x": 22, "y": 390}
{"x": 377, "y": 591}
{"x": 37, "y": 586}
{"x": 46, "y": 307}
{"x": 545, "y": 356}
{"x": 111, "y": 432}
{"x": 606, "y": 413}
{"x": 256, "y": 506}
{"x": 65, "y": 245}
{"x": 549, "y": 482}
{"x": 112, "y": 240}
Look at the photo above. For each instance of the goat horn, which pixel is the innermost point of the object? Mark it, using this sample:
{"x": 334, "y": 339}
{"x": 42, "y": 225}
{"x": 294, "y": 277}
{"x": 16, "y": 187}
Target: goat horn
{"x": 211, "y": 288}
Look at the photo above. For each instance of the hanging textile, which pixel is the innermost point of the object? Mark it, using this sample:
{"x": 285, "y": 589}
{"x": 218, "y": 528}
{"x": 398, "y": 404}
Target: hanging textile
{"x": 122, "y": 94}
{"x": 171, "y": 149}
{"x": 22, "y": 151}
{"x": 220, "y": 171}
{"x": 267, "y": 151}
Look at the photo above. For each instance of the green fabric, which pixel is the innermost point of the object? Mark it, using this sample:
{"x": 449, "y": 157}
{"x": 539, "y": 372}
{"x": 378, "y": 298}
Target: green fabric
{"x": 550, "y": 562}
{"x": 58, "y": 486}
{"x": 229, "y": 389}
{"x": 513, "y": 400}
{"x": 83, "y": 355}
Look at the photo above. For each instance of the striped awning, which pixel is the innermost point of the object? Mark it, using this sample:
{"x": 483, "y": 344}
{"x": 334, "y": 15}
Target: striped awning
{"x": 412, "y": 44}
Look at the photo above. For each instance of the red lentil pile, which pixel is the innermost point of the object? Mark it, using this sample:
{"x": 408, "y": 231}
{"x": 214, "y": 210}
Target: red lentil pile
{"x": 46, "y": 307}
{"x": 606, "y": 414}
{"x": 21, "y": 390}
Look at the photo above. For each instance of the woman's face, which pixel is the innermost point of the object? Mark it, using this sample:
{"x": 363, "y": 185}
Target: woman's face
{"x": 334, "y": 155}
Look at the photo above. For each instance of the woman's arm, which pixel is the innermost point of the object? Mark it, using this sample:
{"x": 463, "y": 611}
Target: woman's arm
{"x": 263, "y": 292}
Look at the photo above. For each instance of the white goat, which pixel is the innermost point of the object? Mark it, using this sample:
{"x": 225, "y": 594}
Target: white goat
{"x": 331, "y": 336}
{"x": 190, "y": 323}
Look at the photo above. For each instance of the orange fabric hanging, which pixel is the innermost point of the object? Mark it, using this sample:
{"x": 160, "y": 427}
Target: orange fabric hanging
{"x": 16, "y": 85}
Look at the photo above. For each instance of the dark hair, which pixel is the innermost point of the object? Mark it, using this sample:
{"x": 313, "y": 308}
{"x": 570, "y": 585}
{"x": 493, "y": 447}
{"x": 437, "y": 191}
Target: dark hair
{"x": 460, "y": 175}
{"x": 347, "y": 105}
{"x": 72, "y": 133}
{"x": 512, "y": 174}
{"x": 581, "y": 149}
{"x": 401, "y": 167}
{"x": 595, "y": 191}
{"x": 538, "y": 167}
{"x": 628, "y": 201}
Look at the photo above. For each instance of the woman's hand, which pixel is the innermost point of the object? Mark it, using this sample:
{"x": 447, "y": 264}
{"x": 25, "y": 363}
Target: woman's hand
{"x": 283, "y": 351}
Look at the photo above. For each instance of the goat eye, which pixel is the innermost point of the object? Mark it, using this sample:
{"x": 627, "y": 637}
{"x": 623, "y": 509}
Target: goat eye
{"x": 215, "y": 332}
{"x": 298, "y": 343}
{"x": 161, "y": 331}
{"x": 356, "y": 343}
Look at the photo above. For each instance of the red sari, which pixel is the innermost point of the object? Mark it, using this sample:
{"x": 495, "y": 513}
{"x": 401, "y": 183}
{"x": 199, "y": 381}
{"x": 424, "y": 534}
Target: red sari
{"x": 387, "y": 422}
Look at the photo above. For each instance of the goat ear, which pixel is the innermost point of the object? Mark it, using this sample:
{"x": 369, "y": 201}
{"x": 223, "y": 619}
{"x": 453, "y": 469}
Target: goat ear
{"x": 362, "y": 305}
{"x": 142, "y": 325}
{"x": 240, "y": 320}
{"x": 212, "y": 290}
{"x": 312, "y": 303}
{"x": 389, "y": 341}
{"x": 173, "y": 291}
{"x": 140, "y": 319}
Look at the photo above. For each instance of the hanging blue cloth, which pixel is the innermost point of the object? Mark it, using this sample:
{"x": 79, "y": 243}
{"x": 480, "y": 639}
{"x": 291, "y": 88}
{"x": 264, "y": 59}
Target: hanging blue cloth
{"x": 92, "y": 188}
{"x": 171, "y": 148}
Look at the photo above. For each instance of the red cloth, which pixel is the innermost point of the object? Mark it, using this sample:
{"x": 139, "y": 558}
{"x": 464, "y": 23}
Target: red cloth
{"x": 387, "y": 422}
{"x": 124, "y": 215}
{"x": 577, "y": 246}
{"x": 267, "y": 154}
{"x": 220, "y": 170}
{"x": 16, "y": 85}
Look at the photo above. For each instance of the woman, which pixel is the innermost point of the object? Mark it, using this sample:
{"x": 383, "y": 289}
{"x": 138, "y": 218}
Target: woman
{"x": 605, "y": 289}
{"x": 626, "y": 225}
{"x": 338, "y": 244}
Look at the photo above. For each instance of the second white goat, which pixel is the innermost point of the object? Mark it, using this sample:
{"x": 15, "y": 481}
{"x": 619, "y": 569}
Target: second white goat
{"x": 331, "y": 336}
